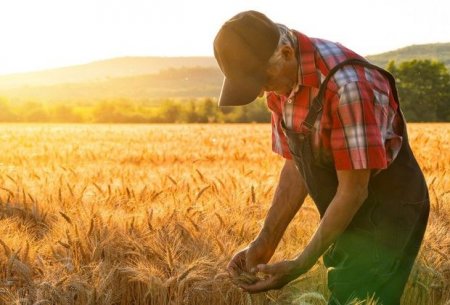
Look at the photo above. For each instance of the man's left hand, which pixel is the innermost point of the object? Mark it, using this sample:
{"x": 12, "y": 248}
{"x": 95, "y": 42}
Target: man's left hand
{"x": 274, "y": 276}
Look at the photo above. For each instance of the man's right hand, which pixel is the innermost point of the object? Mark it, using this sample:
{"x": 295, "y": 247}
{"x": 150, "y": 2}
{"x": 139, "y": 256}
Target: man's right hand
{"x": 288, "y": 198}
{"x": 237, "y": 264}
{"x": 248, "y": 258}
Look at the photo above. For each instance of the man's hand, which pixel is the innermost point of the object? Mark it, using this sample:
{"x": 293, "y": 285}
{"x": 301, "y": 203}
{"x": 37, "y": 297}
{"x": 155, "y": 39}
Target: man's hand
{"x": 248, "y": 258}
{"x": 237, "y": 264}
{"x": 351, "y": 193}
{"x": 288, "y": 198}
{"x": 274, "y": 276}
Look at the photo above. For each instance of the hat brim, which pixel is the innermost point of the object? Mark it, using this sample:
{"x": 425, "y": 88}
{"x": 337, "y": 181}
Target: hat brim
{"x": 239, "y": 93}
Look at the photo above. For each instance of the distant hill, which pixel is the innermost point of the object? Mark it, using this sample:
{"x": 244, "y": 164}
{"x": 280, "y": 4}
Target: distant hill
{"x": 104, "y": 70}
{"x": 435, "y": 51}
{"x": 173, "y": 83}
{"x": 154, "y": 77}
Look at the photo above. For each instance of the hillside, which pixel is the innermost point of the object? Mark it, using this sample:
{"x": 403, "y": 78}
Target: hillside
{"x": 103, "y": 70}
{"x": 177, "y": 83}
{"x": 154, "y": 77}
{"x": 435, "y": 51}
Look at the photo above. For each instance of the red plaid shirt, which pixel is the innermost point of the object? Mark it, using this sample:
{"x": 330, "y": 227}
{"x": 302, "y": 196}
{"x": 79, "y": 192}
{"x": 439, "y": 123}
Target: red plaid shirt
{"x": 359, "y": 127}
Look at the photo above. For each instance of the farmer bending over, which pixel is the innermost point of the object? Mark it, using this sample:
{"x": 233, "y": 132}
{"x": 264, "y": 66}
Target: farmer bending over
{"x": 336, "y": 121}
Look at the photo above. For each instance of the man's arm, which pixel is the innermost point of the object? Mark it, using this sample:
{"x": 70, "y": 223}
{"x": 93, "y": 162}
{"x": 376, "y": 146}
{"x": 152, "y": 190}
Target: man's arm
{"x": 288, "y": 198}
{"x": 351, "y": 193}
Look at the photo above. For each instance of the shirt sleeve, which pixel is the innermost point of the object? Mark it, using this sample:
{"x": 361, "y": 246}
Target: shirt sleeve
{"x": 279, "y": 141}
{"x": 356, "y": 138}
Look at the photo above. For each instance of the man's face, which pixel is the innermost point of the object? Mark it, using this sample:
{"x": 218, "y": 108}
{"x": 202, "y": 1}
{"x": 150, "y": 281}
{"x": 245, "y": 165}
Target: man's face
{"x": 282, "y": 77}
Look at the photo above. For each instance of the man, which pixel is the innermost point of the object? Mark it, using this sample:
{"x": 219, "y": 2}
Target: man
{"x": 336, "y": 121}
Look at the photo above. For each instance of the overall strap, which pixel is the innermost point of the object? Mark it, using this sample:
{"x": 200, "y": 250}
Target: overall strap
{"x": 317, "y": 104}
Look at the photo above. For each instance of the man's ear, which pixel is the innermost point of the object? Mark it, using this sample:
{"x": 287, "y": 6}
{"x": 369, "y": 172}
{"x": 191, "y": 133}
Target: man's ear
{"x": 288, "y": 52}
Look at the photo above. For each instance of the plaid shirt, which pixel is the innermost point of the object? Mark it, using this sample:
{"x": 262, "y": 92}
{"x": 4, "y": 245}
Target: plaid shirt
{"x": 359, "y": 127}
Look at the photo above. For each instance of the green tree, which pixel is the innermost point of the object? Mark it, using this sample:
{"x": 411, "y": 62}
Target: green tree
{"x": 424, "y": 89}
{"x": 257, "y": 111}
{"x": 190, "y": 114}
{"x": 106, "y": 112}
{"x": 208, "y": 111}
{"x": 170, "y": 112}
{"x": 116, "y": 111}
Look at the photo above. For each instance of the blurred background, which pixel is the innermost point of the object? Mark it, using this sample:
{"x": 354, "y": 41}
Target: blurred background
{"x": 151, "y": 61}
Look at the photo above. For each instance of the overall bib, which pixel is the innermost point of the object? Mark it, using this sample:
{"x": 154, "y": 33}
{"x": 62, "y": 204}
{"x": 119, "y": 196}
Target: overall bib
{"x": 375, "y": 254}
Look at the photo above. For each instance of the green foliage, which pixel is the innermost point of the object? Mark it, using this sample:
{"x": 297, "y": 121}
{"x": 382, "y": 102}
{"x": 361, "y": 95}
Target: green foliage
{"x": 201, "y": 110}
{"x": 170, "y": 112}
{"x": 424, "y": 89}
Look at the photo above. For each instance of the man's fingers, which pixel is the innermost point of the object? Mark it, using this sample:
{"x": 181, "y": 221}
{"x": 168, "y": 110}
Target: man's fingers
{"x": 267, "y": 268}
{"x": 259, "y": 286}
{"x": 233, "y": 272}
{"x": 233, "y": 269}
{"x": 276, "y": 276}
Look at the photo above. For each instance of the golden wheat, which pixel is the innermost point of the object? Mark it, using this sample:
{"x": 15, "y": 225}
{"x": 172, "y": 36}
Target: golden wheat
{"x": 139, "y": 214}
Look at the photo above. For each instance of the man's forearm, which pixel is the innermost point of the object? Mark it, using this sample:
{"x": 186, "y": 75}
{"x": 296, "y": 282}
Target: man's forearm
{"x": 348, "y": 199}
{"x": 288, "y": 198}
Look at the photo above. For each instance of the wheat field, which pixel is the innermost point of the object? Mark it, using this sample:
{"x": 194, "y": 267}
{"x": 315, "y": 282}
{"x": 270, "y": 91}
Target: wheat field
{"x": 151, "y": 214}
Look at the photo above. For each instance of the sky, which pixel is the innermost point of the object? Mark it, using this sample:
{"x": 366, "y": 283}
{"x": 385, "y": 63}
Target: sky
{"x": 44, "y": 34}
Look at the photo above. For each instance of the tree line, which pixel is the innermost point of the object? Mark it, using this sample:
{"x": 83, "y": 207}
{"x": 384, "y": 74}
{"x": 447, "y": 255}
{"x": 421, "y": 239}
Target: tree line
{"x": 200, "y": 110}
{"x": 424, "y": 89}
{"x": 423, "y": 85}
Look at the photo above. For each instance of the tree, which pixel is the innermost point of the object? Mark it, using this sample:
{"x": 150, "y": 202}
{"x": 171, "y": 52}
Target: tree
{"x": 32, "y": 111}
{"x": 257, "y": 111}
{"x": 208, "y": 110}
{"x": 6, "y": 113}
{"x": 190, "y": 113}
{"x": 106, "y": 112}
{"x": 171, "y": 112}
{"x": 64, "y": 113}
{"x": 424, "y": 89}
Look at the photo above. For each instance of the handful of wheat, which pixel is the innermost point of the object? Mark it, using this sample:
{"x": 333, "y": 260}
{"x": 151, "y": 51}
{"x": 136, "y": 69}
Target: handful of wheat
{"x": 245, "y": 278}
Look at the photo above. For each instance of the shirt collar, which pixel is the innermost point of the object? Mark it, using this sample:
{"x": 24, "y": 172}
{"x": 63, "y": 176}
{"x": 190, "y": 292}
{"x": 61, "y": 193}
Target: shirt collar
{"x": 307, "y": 69}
